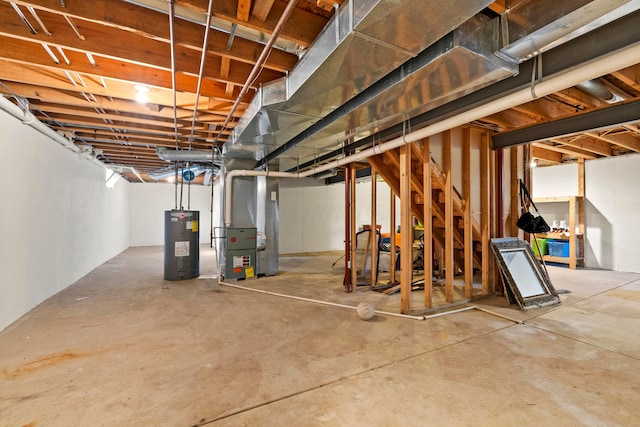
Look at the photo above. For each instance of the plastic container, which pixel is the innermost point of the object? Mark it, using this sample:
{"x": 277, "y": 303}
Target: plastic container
{"x": 558, "y": 248}
{"x": 542, "y": 243}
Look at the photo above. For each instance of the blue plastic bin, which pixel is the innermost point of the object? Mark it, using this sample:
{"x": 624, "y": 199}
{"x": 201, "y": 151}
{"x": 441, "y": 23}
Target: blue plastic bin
{"x": 558, "y": 248}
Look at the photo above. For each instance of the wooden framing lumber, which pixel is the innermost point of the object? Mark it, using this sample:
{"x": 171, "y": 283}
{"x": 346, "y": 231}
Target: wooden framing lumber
{"x": 468, "y": 228}
{"x": 374, "y": 229}
{"x": 406, "y": 229}
{"x": 485, "y": 206}
{"x": 513, "y": 191}
{"x": 427, "y": 224}
{"x": 448, "y": 211}
{"x": 353, "y": 225}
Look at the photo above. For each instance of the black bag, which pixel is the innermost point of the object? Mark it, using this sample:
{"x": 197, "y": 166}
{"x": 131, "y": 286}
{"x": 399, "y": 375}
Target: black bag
{"x": 529, "y": 222}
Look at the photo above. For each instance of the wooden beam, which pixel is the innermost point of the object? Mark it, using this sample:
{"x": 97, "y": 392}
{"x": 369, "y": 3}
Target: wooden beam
{"x": 427, "y": 223}
{"x": 244, "y": 9}
{"x": 448, "y": 211}
{"x": 352, "y": 219}
{"x": 374, "y": 229}
{"x": 629, "y": 76}
{"x": 485, "y": 207}
{"x": 623, "y": 140}
{"x": 581, "y": 176}
{"x": 581, "y": 195}
{"x": 302, "y": 27}
{"x": 513, "y": 191}
{"x": 119, "y": 45}
{"x": 225, "y": 65}
{"x": 416, "y": 185}
{"x": 572, "y": 228}
{"x": 498, "y": 6}
{"x": 537, "y": 152}
{"x": 587, "y": 144}
{"x": 261, "y": 9}
{"x": 392, "y": 239}
{"x": 468, "y": 228}
{"x": 406, "y": 230}
{"x": 51, "y": 78}
{"x": 566, "y": 150}
{"x": 387, "y": 173}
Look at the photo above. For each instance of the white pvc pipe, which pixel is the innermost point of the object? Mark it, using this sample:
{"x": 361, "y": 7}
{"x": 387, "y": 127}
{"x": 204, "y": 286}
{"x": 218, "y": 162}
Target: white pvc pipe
{"x": 333, "y": 304}
{"x": 568, "y": 78}
{"x": 29, "y": 119}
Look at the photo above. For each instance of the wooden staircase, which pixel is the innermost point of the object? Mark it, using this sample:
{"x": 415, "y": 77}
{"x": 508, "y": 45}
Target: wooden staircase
{"x": 387, "y": 165}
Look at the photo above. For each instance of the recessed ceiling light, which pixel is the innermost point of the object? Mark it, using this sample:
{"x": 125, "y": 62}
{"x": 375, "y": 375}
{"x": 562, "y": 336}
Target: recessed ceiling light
{"x": 141, "y": 95}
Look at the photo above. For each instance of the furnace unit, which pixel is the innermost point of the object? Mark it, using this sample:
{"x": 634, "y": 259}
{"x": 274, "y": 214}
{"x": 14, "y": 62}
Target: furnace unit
{"x": 181, "y": 245}
{"x": 240, "y": 253}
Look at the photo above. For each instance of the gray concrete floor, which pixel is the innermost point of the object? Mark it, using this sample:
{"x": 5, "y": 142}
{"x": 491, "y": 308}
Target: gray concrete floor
{"x": 124, "y": 347}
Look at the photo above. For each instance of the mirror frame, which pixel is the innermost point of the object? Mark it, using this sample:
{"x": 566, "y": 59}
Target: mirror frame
{"x": 510, "y": 245}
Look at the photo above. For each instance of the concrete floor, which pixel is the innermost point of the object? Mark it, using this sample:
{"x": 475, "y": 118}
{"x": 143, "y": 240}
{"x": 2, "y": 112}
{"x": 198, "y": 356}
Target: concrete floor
{"x": 124, "y": 347}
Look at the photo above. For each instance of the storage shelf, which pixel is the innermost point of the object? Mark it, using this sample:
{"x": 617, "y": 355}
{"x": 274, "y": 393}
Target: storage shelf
{"x": 576, "y": 240}
{"x": 558, "y": 236}
{"x": 560, "y": 259}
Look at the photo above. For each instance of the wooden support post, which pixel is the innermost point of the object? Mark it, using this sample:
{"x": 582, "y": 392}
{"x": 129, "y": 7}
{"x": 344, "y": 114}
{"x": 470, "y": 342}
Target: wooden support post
{"x": 352, "y": 205}
{"x": 468, "y": 229}
{"x": 485, "y": 206}
{"x": 581, "y": 177}
{"x": 514, "y": 195}
{"x": 406, "y": 230}
{"x": 392, "y": 238}
{"x": 581, "y": 191}
{"x": 448, "y": 217}
{"x": 572, "y": 230}
{"x": 374, "y": 228}
{"x": 427, "y": 223}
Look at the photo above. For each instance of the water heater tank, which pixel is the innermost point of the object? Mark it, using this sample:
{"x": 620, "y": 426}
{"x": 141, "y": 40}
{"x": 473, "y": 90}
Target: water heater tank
{"x": 181, "y": 245}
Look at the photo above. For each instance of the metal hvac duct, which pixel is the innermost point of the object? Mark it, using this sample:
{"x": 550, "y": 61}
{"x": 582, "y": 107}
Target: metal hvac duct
{"x": 187, "y": 155}
{"x": 171, "y": 171}
{"x": 364, "y": 41}
{"x": 536, "y": 26}
{"x": 598, "y": 89}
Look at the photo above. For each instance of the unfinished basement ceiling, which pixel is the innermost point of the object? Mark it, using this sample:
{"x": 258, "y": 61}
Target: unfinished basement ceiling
{"x": 77, "y": 64}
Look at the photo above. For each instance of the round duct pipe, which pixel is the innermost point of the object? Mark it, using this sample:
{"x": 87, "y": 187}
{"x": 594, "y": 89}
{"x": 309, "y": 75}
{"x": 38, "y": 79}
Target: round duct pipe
{"x": 598, "y": 89}
{"x": 169, "y": 172}
{"x": 187, "y": 155}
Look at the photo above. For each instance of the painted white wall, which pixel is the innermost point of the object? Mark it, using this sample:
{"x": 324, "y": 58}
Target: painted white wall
{"x": 612, "y": 200}
{"x": 312, "y": 214}
{"x": 58, "y": 219}
{"x": 612, "y": 206}
{"x": 148, "y": 203}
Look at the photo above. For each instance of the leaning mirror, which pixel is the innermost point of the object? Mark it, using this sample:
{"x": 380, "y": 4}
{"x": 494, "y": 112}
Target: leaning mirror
{"x": 523, "y": 274}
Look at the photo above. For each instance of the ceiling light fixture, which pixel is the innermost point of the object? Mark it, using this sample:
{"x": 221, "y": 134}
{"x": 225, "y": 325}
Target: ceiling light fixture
{"x": 141, "y": 94}
{"x": 534, "y": 163}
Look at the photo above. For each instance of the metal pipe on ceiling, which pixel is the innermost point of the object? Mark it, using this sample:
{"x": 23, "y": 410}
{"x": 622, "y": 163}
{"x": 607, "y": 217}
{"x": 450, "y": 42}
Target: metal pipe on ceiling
{"x": 201, "y": 72}
{"x": 217, "y": 24}
{"x": 29, "y": 119}
{"x": 184, "y": 155}
{"x": 596, "y": 88}
{"x": 259, "y": 63}
{"x": 605, "y": 64}
{"x": 173, "y": 88}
